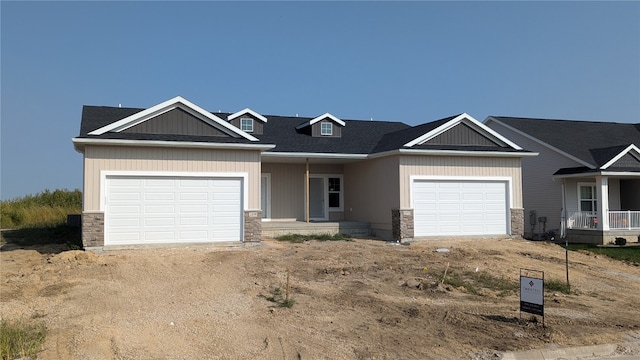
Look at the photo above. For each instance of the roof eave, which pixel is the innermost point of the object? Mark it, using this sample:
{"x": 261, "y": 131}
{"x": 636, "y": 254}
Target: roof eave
{"x": 80, "y": 143}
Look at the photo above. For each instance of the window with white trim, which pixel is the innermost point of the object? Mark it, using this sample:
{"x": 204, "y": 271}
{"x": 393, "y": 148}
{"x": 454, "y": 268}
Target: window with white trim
{"x": 326, "y": 128}
{"x": 246, "y": 124}
{"x": 335, "y": 192}
{"x": 587, "y": 198}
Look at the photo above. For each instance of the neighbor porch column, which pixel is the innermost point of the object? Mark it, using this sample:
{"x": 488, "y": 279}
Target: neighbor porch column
{"x": 306, "y": 193}
{"x": 602, "y": 195}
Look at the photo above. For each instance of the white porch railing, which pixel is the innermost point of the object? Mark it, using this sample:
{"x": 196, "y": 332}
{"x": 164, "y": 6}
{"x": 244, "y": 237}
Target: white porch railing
{"x": 622, "y": 220}
{"x": 583, "y": 220}
{"x": 625, "y": 220}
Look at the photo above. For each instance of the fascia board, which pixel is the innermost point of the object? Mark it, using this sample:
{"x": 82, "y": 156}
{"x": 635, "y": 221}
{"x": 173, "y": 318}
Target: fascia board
{"x": 81, "y": 142}
{"x": 246, "y": 111}
{"x": 294, "y": 155}
{"x": 598, "y": 173}
{"x": 620, "y": 155}
{"x": 455, "y": 121}
{"x": 536, "y": 140}
{"x": 176, "y": 102}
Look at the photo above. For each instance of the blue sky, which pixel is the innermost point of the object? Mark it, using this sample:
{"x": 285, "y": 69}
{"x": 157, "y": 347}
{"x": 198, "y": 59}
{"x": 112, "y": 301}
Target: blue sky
{"x": 404, "y": 61}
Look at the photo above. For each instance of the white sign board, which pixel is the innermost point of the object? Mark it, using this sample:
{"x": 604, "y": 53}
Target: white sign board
{"x": 532, "y": 295}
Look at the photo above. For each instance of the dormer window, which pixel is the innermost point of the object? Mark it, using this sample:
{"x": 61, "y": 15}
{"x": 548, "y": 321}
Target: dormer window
{"x": 326, "y": 128}
{"x": 246, "y": 124}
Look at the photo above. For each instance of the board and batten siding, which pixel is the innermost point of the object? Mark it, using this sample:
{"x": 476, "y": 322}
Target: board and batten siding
{"x": 540, "y": 192}
{"x": 371, "y": 192}
{"x": 459, "y": 166}
{"x": 288, "y": 187}
{"x": 151, "y": 159}
{"x": 176, "y": 121}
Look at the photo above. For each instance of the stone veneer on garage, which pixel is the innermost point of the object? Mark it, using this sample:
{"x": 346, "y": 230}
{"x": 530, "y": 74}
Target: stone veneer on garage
{"x": 92, "y": 229}
{"x": 402, "y": 224}
{"x": 517, "y": 222}
{"x": 252, "y": 225}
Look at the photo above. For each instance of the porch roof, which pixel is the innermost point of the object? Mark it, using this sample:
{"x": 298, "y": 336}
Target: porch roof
{"x": 585, "y": 171}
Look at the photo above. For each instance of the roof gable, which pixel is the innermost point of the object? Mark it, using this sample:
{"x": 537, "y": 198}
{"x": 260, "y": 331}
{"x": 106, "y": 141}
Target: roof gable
{"x": 245, "y": 112}
{"x": 176, "y": 103}
{"x": 627, "y": 158}
{"x": 471, "y": 129}
{"x": 324, "y": 116}
{"x": 175, "y": 122}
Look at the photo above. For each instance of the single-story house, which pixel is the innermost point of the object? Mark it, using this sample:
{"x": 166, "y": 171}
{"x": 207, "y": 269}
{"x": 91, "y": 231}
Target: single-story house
{"x": 176, "y": 173}
{"x": 586, "y": 180}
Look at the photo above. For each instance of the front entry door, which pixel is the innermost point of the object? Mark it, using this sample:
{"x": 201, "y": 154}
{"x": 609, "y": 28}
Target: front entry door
{"x": 317, "y": 209}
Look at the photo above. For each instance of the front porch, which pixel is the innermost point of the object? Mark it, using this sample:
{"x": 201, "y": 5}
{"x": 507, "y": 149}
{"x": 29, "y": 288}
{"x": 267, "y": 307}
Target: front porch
{"x": 273, "y": 229}
{"x": 587, "y": 227}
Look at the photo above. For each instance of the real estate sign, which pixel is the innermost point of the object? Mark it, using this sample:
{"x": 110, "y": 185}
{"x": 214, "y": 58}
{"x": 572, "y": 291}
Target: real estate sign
{"x": 532, "y": 293}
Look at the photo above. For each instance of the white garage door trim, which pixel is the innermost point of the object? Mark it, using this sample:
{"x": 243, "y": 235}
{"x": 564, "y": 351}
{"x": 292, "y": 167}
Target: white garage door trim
{"x": 506, "y": 181}
{"x": 241, "y": 186}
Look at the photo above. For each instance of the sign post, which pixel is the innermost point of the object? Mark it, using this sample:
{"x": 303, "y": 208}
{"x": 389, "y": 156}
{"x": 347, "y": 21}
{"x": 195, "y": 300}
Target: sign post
{"x": 532, "y": 292}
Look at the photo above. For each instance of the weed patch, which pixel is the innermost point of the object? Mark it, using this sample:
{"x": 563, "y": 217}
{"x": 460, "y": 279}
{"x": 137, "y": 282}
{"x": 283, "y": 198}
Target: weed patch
{"x": 45, "y": 235}
{"x": 474, "y": 282}
{"x": 298, "y": 238}
{"x": 19, "y": 339}
{"x": 556, "y": 285}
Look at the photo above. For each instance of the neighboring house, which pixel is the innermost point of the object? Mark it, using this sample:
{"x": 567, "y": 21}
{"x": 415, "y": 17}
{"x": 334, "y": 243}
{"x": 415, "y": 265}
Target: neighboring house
{"x": 586, "y": 180}
{"x": 175, "y": 173}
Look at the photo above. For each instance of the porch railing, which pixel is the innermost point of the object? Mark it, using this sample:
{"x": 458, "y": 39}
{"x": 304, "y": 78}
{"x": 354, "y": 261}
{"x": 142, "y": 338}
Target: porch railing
{"x": 622, "y": 220}
{"x": 583, "y": 220}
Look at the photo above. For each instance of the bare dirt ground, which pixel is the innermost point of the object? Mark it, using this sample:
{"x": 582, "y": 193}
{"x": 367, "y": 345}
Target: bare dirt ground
{"x": 360, "y": 299}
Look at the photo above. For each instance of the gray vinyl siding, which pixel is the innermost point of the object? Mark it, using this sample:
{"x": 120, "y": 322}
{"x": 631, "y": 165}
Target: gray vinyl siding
{"x": 540, "y": 192}
{"x": 151, "y": 159}
{"x": 627, "y": 161}
{"x": 175, "y": 122}
{"x": 462, "y": 134}
{"x": 258, "y": 125}
{"x": 371, "y": 192}
{"x": 288, "y": 188}
{"x": 336, "y": 131}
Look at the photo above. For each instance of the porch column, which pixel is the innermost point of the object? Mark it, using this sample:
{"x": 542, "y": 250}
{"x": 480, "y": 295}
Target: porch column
{"x": 602, "y": 195}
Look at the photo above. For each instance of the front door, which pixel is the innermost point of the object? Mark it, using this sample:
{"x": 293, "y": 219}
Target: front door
{"x": 317, "y": 209}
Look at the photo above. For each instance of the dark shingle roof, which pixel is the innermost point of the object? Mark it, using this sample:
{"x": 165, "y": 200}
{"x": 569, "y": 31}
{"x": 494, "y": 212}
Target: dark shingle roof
{"x": 358, "y": 136}
{"x": 593, "y": 142}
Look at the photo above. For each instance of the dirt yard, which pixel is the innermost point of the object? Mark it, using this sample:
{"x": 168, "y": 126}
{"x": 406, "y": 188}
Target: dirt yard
{"x": 360, "y": 299}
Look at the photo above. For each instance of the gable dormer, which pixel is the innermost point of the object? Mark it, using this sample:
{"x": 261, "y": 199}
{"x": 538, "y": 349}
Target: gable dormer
{"x": 248, "y": 121}
{"x": 325, "y": 125}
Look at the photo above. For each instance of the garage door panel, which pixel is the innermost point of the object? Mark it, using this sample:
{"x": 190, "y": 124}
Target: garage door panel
{"x": 459, "y": 207}
{"x": 159, "y": 196}
{"x": 172, "y": 209}
{"x": 125, "y": 209}
{"x": 159, "y": 221}
{"x": 160, "y": 209}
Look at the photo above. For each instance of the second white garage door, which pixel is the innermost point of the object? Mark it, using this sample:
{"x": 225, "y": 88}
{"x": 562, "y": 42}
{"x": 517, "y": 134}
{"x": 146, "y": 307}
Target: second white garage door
{"x": 460, "y": 207}
{"x": 148, "y": 210}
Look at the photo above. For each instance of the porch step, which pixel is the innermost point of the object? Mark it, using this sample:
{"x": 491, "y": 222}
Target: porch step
{"x": 273, "y": 229}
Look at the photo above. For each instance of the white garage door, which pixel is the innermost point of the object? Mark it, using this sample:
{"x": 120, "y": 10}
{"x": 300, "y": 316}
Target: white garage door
{"x": 148, "y": 210}
{"x": 460, "y": 207}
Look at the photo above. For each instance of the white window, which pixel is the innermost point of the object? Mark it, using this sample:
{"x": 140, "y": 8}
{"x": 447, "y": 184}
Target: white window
{"x": 335, "y": 192}
{"x": 587, "y": 198}
{"x": 246, "y": 124}
{"x": 326, "y": 128}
